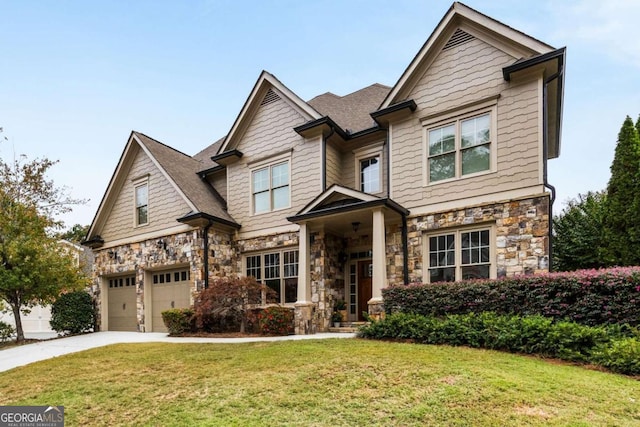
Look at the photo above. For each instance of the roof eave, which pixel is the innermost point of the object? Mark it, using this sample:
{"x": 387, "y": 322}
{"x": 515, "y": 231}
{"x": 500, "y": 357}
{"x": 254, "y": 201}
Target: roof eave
{"x": 199, "y": 219}
{"x": 227, "y": 157}
{"x": 348, "y": 208}
{"x": 400, "y": 109}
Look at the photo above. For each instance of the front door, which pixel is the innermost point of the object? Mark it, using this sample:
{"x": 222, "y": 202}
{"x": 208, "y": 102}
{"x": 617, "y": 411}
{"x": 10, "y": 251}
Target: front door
{"x": 365, "y": 269}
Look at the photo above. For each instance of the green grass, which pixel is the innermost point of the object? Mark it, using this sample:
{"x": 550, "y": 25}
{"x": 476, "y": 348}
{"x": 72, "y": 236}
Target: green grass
{"x": 318, "y": 383}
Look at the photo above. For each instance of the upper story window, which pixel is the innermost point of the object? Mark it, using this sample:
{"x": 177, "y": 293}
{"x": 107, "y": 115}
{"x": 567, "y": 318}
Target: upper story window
{"x": 368, "y": 164}
{"x": 142, "y": 204}
{"x": 459, "y": 255}
{"x": 460, "y": 147}
{"x": 270, "y": 187}
{"x": 370, "y": 175}
{"x": 278, "y": 270}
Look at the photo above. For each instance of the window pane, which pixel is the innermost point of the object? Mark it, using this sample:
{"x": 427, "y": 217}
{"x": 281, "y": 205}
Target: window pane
{"x": 442, "y": 167}
{"x": 475, "y": 159}
{"x": 442, "y": 140}
{"x": 475, "y": 272}
{"x": 442, "y": 274}
{"x": 261, "y": 202}
{"x": 272, "y": 266}
{"x": 475, "y": 131}
{"x": 275, "y": 285}
{"x": 291, "y": 264}
{"x": 370, "y": 175}
{"x": 141, "y": 195}
{"x": 142, "y": 215}
{"x": 280, "y": 197}
{"x": 253, "y": 267}
{"x": 280, "y": 175}
{"x": 291, "y": 290}
{"x": 261, "y": 180}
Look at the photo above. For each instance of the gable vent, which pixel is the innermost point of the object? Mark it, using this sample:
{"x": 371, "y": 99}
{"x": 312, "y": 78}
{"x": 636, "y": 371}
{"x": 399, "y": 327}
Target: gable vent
{"x": 458, "y": 38}
{"x": 270, "y": 97}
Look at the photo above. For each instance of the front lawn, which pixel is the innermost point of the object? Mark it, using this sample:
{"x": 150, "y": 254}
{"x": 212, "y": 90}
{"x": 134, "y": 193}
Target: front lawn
{"x": 323, "y": 382}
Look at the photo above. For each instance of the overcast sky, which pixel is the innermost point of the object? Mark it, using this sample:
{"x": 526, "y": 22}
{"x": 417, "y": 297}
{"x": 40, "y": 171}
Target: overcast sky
{"x": 77, "y": 76}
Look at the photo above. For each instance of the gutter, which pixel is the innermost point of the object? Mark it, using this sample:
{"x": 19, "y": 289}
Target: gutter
{"x": 324, "y": 157}
{"x": 545, "y": 154}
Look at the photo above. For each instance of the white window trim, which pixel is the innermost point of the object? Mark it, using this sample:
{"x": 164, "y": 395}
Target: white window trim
{"x": 139, "y": 182}
{"x": 365, "y": 153}
{"x": 269, "y": 163}
{"x": 261, "y": 254}
{"x": 457, "y": 232}
{"x": 456, "y": 117}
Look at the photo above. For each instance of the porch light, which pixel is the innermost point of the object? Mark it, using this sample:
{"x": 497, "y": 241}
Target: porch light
{"x": 356, "y": 226}
{"x": 112, "y": 254}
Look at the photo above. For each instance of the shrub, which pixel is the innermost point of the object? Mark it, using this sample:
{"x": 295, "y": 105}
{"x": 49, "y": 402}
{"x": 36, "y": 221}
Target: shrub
{"x": 178, "y": 320}
{"x": 6, "y": 331}
{"x": 276, "y": 320}
{"x": 73, "y": 313}
{"x": 589, "y": 297}
{"x": 621, "y": 355}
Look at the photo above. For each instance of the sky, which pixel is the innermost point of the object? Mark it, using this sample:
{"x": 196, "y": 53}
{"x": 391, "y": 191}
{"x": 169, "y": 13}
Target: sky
{"x": 76, "y": 77}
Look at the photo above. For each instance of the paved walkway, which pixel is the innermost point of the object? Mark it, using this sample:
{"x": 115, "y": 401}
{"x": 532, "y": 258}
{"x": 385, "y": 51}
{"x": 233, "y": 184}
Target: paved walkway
{"x": 29, "y": 353}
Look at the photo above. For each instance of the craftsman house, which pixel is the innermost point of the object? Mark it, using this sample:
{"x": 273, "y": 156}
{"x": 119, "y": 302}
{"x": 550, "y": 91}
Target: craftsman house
{"x": 440, "y": 177}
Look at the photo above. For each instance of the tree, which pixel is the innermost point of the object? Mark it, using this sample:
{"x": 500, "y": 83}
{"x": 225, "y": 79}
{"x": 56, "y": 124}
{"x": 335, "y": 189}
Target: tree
{"x": 75, "y": 234}
{"x": 32, "y": 268}
{"x": 622, "y": 220}
{"x": 578, "y": 234}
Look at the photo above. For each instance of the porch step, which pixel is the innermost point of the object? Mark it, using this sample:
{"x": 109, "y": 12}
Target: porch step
{"x": 347, "y": 327}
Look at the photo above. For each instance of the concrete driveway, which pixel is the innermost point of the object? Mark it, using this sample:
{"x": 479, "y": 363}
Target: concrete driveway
{"x": 30, "y": 353}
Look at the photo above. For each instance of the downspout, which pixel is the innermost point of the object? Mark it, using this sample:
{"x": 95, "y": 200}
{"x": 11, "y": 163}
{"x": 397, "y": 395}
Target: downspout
{"x": 206, "y": 254}
{"x": 324, "y": 157}
{"x": 405, "y": 251}
{"x": 545, "y": 155}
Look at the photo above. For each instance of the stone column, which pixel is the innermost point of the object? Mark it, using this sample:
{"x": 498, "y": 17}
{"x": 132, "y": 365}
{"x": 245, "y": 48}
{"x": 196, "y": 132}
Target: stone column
{"x": 379, "y": 279}
{"x": 304, "y": 306}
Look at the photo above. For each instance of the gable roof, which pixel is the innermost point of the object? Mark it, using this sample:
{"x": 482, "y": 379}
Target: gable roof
{"x": 351, "y": 112}
{"x": 178, "y": 168}
{"x": 514, "y": 42}
{"x": 265, "y": 82}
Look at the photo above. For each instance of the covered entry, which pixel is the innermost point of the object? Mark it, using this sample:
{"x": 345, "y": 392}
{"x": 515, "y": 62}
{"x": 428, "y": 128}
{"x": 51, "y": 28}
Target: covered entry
{"x": 121, "y": 301}
{"x": 170, "y": 289}
{"x": 358, "y": 220}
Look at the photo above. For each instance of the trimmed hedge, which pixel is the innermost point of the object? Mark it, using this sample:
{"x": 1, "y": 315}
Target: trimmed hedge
{"x": 589, "y": 297}
{"x": 73, "y": 313}
{"x": 179, "y": 320}
{"x": 614, "y": 347}
{"x": 276, "y": 320}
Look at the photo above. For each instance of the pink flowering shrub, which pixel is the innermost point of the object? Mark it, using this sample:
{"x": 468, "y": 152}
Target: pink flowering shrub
{"x": 590, "y": 297}
{"x": 276, "y": 320}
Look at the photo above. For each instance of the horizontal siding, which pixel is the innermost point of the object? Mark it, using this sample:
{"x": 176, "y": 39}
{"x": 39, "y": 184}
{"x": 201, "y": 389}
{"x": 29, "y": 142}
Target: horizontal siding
{"x": 333, "y": 166}
{"x": 271, "y": 132}
{"x": 219, "y": 182}
{"x": 461, "y": 75}
{"x": 165, "y": 204}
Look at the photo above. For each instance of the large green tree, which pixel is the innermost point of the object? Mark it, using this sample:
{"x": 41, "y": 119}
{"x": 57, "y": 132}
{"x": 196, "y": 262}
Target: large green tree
{"x": 622, "y": 221}
{"x": 578, "y": 233}
{"x": 33, "y": 269}
{"x": 75, "y": 234}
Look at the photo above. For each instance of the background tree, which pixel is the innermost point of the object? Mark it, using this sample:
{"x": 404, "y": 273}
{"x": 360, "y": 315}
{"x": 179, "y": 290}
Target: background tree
{"x": 578, "y": 233}
{"x": 32, "y": 268}
{"x": 622, "y": 220}
{"x": 75, "y": 234}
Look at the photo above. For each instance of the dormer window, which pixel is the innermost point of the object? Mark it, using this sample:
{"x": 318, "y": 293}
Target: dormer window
{"x": 142, "y": 204}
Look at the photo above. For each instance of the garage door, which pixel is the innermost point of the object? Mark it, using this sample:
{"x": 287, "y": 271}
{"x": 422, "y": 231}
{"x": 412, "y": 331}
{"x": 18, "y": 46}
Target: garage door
{"x": 171, "y": 289}
{"x": 122, "y": 304}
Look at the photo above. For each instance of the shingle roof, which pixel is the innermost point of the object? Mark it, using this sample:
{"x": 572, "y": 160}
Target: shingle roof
{"x": 352, "y": 111}
{"x": 182, "y": 169}
{"x": 204, "y": 156}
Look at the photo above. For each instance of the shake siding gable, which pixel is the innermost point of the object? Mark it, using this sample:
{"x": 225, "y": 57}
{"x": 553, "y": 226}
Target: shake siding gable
{"x": 165, "y": 204}
{"x": 462, "y": 75}
{"x": 271, "y": 134}
{"x": 333, "y": 166}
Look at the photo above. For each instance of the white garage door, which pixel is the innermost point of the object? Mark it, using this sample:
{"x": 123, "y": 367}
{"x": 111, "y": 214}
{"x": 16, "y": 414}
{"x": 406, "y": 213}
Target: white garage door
{"x": 122, "y": 304}
{"x": 171, "y": 289}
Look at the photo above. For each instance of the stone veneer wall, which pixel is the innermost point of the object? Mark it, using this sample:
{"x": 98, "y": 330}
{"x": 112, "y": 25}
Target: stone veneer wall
{"x": 521, "y": 231}
{"x": 184, "y": 249}
{"x": 327, "y": 276}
